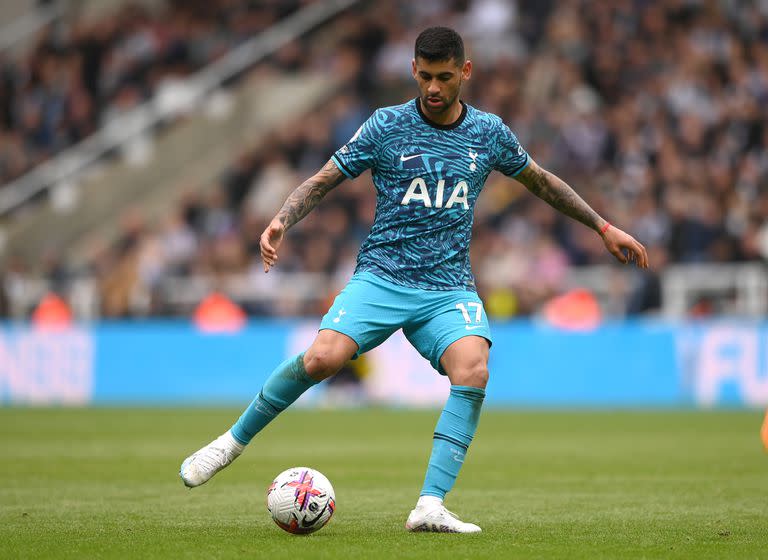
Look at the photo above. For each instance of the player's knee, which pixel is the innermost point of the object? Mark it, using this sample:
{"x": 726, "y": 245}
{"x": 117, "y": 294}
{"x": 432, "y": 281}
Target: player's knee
{"x": 321, "y": 361}
{"x": 478, "y": 377}
{"x": 473, "y": 375}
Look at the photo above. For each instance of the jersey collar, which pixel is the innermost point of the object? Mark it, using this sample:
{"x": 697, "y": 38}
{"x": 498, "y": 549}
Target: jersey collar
{"x": 451, "y": 126}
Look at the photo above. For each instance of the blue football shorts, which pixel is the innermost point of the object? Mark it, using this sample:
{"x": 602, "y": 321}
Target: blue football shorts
{"x": 369, "y": 309}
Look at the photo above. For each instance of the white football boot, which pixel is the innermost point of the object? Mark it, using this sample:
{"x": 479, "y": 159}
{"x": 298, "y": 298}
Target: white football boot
{"x": 200, "y": 467}
{"x": 431, "y": 516}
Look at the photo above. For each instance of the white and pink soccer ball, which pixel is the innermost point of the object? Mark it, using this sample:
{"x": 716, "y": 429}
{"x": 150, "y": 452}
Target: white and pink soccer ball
{"x": 301, "y": 500}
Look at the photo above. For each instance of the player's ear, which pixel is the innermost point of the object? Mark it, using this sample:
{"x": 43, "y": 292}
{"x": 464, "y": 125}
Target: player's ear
{"x": 466, "y": 70}
{"x": 413, "y": 68}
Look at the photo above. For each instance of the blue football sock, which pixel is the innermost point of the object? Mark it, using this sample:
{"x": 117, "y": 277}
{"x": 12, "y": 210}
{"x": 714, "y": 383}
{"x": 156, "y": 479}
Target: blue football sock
{"x": 453, "y": 434}
{"x": 286, "y": 384}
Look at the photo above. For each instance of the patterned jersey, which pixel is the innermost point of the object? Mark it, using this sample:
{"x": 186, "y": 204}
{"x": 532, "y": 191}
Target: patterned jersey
{"x": 427, "y": 178}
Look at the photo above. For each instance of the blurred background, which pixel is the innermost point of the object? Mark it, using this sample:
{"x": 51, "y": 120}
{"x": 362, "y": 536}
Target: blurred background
{"x": 145, "y": 145}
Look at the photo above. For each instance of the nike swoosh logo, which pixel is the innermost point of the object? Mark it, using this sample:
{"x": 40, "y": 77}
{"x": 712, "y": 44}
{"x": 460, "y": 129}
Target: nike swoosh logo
{"x": 307, "y": 522}
{"x": 404, "y": 158}
{"x": 473, "y": 328}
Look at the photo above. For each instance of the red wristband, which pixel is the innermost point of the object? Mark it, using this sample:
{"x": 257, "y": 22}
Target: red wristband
{"x": 605, "y": 227}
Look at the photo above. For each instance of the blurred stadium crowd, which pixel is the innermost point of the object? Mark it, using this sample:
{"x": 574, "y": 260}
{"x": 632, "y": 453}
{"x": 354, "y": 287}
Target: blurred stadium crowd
{"x": 82, "y": 74}
{"x": 653, "y": 111}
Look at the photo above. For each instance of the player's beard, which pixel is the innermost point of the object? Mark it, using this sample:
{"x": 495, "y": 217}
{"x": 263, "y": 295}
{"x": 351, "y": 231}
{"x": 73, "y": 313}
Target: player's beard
{"x": 445, "y": 105}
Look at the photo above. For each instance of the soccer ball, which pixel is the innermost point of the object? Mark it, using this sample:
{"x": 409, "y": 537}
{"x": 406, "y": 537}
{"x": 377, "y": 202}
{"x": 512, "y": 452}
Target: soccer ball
{"x": 301, "y": 500}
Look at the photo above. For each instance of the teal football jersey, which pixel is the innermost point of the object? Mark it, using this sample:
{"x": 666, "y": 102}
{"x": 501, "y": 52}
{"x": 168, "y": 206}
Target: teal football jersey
{"x": 427, "y": 178}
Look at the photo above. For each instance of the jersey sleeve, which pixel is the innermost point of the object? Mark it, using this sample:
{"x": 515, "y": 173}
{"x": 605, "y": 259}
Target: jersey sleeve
{"x": 511, "y": 158}
{"x": 361, "y": 152}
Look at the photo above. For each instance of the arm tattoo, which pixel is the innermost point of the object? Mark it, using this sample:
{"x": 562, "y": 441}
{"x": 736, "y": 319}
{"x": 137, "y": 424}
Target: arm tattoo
{"x": 308, "y": 195}
{"x": 556, "y": 192}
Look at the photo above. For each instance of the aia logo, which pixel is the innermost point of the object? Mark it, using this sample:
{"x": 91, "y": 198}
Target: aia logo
{"x": 418, "y": 191}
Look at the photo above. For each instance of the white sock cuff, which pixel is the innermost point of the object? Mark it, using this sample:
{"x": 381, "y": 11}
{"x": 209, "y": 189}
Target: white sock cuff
{"x": 233, "y": 442}
{"x": 427, "y": 501}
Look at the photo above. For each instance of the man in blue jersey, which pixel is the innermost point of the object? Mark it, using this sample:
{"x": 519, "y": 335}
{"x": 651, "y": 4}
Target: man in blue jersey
{"x": 429, "y": 160}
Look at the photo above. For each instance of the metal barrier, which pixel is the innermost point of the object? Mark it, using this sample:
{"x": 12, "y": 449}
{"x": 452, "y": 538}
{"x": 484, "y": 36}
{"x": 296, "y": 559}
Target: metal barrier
{"x": 737, "y": 290}
{"x": 28, "y": 24}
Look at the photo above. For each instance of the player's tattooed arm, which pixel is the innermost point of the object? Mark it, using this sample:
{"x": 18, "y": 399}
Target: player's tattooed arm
{"x": 299, "y": 204}
{"x": 309, "y": 194}
{"x": 558, "y": 194}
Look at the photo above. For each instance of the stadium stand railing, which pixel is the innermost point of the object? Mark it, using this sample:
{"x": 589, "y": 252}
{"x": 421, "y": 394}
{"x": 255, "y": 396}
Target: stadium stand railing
{"x": 18, "y": 30}
{"x": 728, "y": 290}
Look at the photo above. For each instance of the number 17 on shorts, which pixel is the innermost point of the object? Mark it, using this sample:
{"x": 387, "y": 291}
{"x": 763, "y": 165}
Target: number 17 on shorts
{"x": 472, "y": 311}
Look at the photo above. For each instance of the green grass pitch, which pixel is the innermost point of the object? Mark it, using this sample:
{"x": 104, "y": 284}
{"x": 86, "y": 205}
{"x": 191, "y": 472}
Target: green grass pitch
{"x": 103, "y": 483}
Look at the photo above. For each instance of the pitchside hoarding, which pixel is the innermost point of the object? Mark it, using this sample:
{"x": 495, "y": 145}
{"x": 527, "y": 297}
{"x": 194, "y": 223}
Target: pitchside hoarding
{"x": 628, "y": 364}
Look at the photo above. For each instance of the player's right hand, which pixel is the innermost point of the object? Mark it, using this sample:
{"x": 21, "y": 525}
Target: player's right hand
{"x": 270, "y": 241}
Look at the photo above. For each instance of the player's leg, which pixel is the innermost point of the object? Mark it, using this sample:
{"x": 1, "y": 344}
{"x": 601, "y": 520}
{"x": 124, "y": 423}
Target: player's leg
{"x": 327, "y": 354}
{"x": 456, "y": 341}
{"x": 361, "y": 317}
{"x": 466, "y": 363}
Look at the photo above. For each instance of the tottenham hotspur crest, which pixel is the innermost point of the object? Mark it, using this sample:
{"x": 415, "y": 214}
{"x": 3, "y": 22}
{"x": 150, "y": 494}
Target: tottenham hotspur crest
{"x": 473, "y": 156}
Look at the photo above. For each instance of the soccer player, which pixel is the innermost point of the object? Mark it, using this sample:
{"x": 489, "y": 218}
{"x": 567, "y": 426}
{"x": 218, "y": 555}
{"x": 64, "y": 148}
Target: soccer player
{"x": 429, "y": 159}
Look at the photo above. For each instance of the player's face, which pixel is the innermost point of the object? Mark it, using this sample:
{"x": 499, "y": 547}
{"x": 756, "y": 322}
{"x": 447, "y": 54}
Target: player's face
{"x": 440, "y": 84}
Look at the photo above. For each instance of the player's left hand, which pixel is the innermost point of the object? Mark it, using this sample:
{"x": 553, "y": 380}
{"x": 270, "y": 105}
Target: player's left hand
{"x": 625, "y": 247}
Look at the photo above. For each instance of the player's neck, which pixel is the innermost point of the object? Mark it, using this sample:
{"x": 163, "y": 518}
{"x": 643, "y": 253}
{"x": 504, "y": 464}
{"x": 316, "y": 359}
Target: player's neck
{"x": 449, "y": 118}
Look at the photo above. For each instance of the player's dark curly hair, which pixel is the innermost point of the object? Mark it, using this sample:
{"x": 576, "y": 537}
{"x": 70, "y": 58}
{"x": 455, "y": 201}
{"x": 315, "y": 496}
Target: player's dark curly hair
{"x": 437, "y": 44}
